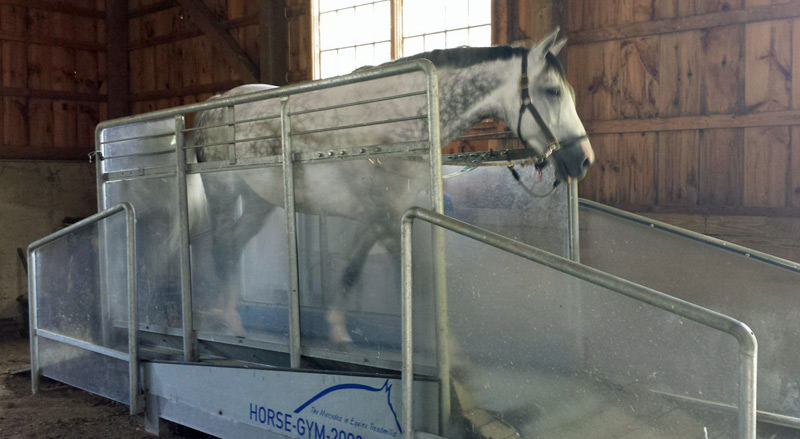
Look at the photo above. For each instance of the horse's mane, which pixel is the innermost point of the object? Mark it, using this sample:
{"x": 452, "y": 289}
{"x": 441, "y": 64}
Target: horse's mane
{"x": 463, "y": 57}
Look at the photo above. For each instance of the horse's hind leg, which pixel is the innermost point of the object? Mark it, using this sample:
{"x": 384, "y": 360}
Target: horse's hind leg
{"x": 231, "y": 233}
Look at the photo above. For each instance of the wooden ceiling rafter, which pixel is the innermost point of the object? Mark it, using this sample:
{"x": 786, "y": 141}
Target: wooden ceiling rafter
{"x": 230, "y": 50}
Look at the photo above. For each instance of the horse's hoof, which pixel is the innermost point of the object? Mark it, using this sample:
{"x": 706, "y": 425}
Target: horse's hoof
{"x": 337, "y": 328}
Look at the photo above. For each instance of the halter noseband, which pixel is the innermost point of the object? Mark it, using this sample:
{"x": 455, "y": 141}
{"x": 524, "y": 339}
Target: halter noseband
{"x": 553, "y": 143}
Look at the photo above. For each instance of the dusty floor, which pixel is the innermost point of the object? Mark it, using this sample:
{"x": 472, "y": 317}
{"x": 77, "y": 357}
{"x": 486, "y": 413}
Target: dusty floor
{"x": 59, "y": 411}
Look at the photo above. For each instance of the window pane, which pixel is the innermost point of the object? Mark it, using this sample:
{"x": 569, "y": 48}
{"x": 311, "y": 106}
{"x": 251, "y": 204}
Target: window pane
{"x": 364, "y": 15}
{"x": 457, "y": 14}
{"x": 381, "y": 23}
{"x": 383, "y": 53}
{"x": 433, "y": 16}
{"x": 365, "y": 55}
{"x": 347, "y": 60}
{"x": 413, "y": 46}
{"x": 329, "y": 66}
{"x": 413, "y": 25}
{"x": 327, "y": 30}
{"x": 347, "y": 27}
{"x": 480, "y": 36}
{"x": 435, "y": 41}
{"x": 480, "y": 12}
{"x": 458, "y": 38}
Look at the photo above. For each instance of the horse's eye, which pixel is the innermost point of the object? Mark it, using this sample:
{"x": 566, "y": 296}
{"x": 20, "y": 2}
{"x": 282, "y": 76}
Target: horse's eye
{"x": 553, "y": 91}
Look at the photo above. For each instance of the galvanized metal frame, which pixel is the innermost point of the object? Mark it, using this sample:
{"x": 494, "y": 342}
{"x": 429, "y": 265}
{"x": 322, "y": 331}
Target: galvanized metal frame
{"x": 431, "y": 145}
{"x": 132, "y": 357}
{"x": 748, "y": 347}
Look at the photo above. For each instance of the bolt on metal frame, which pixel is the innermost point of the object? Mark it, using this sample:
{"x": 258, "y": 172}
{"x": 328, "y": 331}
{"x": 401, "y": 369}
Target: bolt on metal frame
{"x": 132, "y": 357}
{"x": 748, "y": 347}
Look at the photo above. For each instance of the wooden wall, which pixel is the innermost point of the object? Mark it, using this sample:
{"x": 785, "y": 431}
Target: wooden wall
{"x": 53, "y": 77}
{"x": 693, "y": 110}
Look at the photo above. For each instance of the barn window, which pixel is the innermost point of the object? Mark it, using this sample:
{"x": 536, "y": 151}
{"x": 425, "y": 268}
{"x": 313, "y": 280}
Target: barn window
{"x": 355, "y": 33}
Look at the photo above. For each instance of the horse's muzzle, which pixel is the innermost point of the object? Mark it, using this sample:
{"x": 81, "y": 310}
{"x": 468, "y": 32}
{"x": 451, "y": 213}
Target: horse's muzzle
{"x": 573, "y": 160}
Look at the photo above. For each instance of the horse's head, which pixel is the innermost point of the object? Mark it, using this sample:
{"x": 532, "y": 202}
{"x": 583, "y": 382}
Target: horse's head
{"x": 547, "y": 120}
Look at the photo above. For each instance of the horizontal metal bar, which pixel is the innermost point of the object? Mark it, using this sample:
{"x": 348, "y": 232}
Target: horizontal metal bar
{"x": 358, "y": 125}
{"x": 501, "y": 135}
{"x": 356, "y": 103}
{"x": 135, "y": 174}
{"x": 725, "y": 245}
{"x": 229, "y": 142}
{"x": 108, "y": 352}
{"x": 227, "y": 124}
{"x": 394, "y": 69}
{"x": 80, "y": 225}
{"x": 127, "y": 139}
{"x": 139, "y": 154}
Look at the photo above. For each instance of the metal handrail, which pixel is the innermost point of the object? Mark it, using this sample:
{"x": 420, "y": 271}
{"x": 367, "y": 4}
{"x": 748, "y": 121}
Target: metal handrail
{"x": 133, "y": 347}
{"x": 748, "y": 347}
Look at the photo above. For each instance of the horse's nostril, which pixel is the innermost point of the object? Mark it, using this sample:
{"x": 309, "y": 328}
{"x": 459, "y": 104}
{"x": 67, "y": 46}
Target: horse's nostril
{"x": 587, "y": 163}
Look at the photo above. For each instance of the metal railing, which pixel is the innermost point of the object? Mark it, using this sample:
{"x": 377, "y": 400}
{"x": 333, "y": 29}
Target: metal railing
{"x": 748, "y": 347}
{"x": 430, "y": 144}
{"x": 132, "y": 356}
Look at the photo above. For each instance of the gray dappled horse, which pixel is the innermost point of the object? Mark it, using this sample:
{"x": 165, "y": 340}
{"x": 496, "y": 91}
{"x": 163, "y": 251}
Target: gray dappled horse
{"x": 526, "y": 88}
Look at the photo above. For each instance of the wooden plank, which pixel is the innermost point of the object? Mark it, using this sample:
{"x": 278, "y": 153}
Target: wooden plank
{"x": 183, "y": 32}
{"x": 65, "y": 124}
{"x": 602, "y": 183}
{"x": 15, "y": 64}
{"x": 301, "y": 47}
{"x": 60, "y": 7}
{"x": 794, "y": 183}
{"x": 86, "y": 72}
{"x": 679, "y": 78}
{"x": 768, "y": 63}
{"x": 15, "y": 121}
{"x": 721, "y": 167}
{"x": 667, "y": 21}
{"x": 766, "y": 173}
{"x": 796, "y": 64}
{"x": 638, "y": 78}
{"x": 88, "y": 117}
{"x": 776, "y": 118}
{"x": 213, "y": 88}
{"x": 119, "y": 81}
{"x": 41, "y": 122}
{"x": 722, "y": 70}
{"x": 637, "y": 156}
{"x": 601, "y": 95}
{"x": 136, "y": 11}
{"x": 229, "y": 49}
{"x": 677, "y": 168}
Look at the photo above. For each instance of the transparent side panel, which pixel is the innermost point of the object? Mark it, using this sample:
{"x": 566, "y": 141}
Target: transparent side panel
{"x": 157, "y": 241}
{"x": 73, "y": 297}
{"x": 240, "y": 255}
{"x": 548, "y": 355}
{"x": 349, "y": 216}
{"x": 489, "y": 197}
{"x": 762, "y": 295}
{"x": 86, "y": 370}
{"x": 138, "y": 146}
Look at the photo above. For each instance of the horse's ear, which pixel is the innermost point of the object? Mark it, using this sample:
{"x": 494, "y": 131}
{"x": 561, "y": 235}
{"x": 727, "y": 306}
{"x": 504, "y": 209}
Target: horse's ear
{"x": 539, "y": 50}
{"x": 558, "y": 45}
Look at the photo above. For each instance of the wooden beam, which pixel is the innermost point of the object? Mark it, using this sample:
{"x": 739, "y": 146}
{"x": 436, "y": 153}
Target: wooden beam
{"x": 682, "y": 24}
{"x": 775, "y": 118}
{"x": 51, "y": 6}
{"x": 217, "y": 87}
{"x": 52, "y": 94}
{"x": 30, "y": 152}
{"x": 273, "y": 42}
{"x": 117, "y": 59}
{"x": 190, "y": 33}
{"x": 91, "y": 46}
{"x": 151, "y": 9}
{"x": 230, "y": 50}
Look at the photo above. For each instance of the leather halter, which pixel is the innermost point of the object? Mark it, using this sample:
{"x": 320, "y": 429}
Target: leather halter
{"x": 526, "y": 103}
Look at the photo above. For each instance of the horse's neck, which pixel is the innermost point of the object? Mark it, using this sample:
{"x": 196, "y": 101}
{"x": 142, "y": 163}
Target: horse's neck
{"x": 471, "y": 94}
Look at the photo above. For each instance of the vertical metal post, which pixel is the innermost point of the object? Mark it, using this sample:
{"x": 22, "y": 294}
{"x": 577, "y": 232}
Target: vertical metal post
{"x": 133, "y": 319}
{"x": 291, "y": 226}
{"x": 748, "y": 358}
{"x": 189, "y": 339}
{"x": 406, "y": 309}
{"x": 440, "y": 279}
{"x": 33, "y": 320}
{"x": 573, "y": 233}
{"x": 230, "y": 119}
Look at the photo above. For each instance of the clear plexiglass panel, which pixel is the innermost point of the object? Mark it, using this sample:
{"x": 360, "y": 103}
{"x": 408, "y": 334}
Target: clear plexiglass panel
{"x": 548, "y": 355}
{"x": 489, "y": 197}
{"x": 760, "y": 294}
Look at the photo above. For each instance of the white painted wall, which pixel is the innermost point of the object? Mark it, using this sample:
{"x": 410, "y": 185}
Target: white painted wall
{"x": 35, "y": 196}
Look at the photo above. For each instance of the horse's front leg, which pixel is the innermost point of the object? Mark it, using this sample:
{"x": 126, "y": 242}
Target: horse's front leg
{"x": 335, "y": 316}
